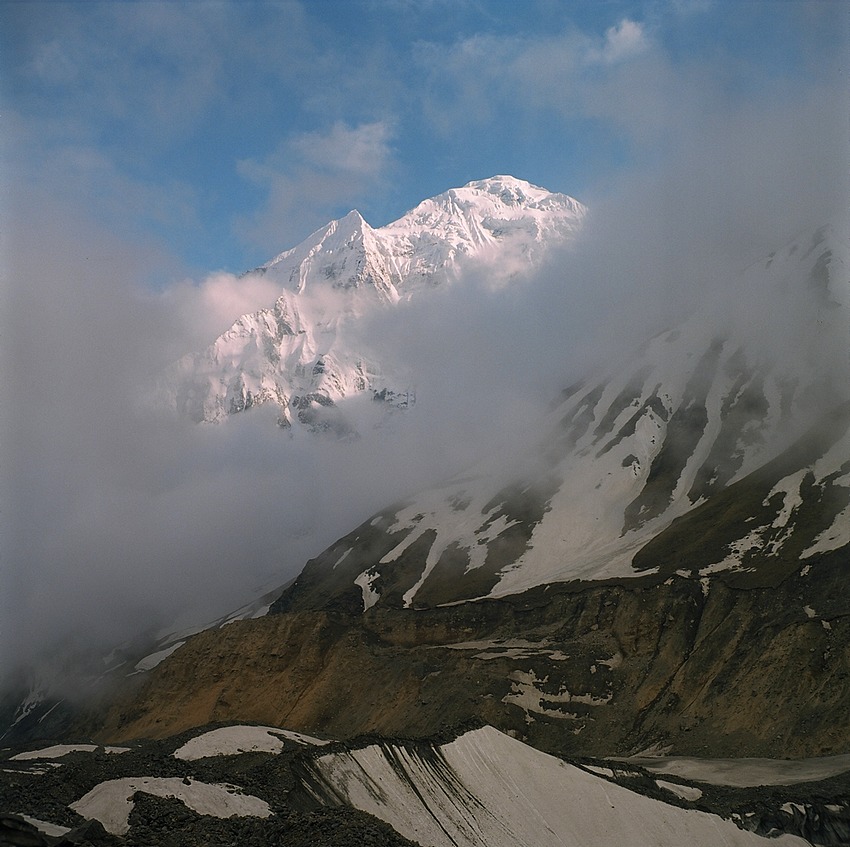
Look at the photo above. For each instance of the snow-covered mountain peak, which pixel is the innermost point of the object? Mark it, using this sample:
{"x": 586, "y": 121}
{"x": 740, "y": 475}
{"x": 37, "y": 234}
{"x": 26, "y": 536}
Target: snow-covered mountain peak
{"x": 481, "y": 220}
{"x": 493, "y": 209}
{"x": 298, "y": 354}
{"x": 337, "y": 253}
{"x": 509, "y": 190}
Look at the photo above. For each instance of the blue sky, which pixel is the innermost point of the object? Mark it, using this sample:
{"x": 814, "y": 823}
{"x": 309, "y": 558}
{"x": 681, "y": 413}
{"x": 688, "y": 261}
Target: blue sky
{"x": 212, "y": 135}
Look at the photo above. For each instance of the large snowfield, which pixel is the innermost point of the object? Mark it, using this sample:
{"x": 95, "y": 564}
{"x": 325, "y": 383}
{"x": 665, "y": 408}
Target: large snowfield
{"x": 486, "y": 788}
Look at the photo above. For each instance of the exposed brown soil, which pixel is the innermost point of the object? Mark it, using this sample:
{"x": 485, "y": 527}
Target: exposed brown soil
{"x": 586, "y": 669}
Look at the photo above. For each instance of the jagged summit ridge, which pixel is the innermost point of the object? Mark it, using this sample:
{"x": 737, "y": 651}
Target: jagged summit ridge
{"x": 298, "y": 353}
{"x": 427, "y": 242}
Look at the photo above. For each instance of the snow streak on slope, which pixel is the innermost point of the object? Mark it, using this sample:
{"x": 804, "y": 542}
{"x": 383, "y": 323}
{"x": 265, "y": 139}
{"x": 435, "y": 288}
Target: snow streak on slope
{"x": 486, "y": 788}
{"x": 59, "y": 750}
{"x": 299, "y": 355}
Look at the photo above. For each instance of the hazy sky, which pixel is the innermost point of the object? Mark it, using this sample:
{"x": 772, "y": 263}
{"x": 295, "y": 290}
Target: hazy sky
{"x": 220, "y": 133}
{"x": 152, "y": 151}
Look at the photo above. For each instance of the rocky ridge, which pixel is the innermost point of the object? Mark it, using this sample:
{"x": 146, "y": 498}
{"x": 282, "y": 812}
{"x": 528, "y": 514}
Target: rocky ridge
{"x": 470, "y": 787}
{"x": 736, "y": 664}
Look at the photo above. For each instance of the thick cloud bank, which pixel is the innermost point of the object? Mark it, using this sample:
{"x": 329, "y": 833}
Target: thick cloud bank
{"x": 117, "y": 520}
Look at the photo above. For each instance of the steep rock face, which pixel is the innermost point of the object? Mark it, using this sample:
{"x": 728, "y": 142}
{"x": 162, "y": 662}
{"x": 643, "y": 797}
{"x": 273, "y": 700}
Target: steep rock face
{"x": 299, "y": 354}
{"x": 726, "y": 666}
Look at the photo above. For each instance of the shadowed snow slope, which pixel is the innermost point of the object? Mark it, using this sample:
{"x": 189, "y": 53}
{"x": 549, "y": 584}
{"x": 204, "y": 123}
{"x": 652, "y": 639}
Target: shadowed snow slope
{"x": 747, "y": 772}
{"x": 485, "y": 788}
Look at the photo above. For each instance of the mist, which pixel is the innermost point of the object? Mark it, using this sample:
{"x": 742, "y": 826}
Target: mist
{"x": 119, "y": 520}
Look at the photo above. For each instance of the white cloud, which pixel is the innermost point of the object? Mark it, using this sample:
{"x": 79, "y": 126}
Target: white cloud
{"x": 361, "y": 150}
{"x": 206, "y": 309}
{"x": 481, "y": 78}
{"x": 623, "y": 41}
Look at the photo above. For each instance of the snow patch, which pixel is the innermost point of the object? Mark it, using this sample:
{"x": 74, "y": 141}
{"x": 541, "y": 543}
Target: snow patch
{"x": 527, "y": 692}
{"x": 614, "y": 662}
{"x": 231, "y": 740}
{"x": 746, "y": 773}
{"x": 45, "y": 827}
{"x": 736, "y": 552}
{"x": 151, "y": 661}
{"x": 35, "y": 696}
{"x": 832, "y": 538}
{"x": 685, "y": 792}
{"x": 36, "y": 770}
{"x": 364, "y": 581}
{"x": 343, "y": 557}
{"x": 791, "y": 501}
{"x": 508, "y": 649}
{"x": 59, "y": 750}
{"x": 111, "y": 802}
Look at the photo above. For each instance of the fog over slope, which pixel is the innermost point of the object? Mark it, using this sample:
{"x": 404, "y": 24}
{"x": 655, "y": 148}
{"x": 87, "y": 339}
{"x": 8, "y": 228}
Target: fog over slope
{"x": 116, "y": 519}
